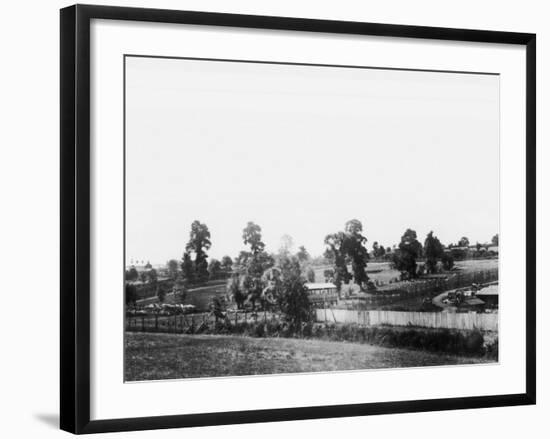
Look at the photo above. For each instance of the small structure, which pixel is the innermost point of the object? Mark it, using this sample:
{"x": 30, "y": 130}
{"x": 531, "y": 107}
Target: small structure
{"x": 489, "y": 295}
{"x": 322, "y": 292}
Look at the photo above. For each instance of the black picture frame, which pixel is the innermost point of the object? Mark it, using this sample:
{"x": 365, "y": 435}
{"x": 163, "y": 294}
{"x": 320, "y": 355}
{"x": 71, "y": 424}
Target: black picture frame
{"x": 75, "y": 217}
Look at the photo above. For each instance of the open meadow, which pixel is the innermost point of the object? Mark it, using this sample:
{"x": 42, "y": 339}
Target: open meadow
{"x": 169, "y": 356}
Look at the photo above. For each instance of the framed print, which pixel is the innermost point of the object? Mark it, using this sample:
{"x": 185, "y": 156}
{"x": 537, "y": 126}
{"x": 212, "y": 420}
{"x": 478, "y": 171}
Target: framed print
{"x": 286, "y": 218}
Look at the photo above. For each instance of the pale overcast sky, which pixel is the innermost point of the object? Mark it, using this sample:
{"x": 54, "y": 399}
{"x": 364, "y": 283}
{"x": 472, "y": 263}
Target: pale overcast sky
{"x": 300, "y": 150}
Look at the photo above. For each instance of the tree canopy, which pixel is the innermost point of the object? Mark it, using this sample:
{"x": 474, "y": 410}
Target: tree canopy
{"x": 348, "y": 247}
{"x": 287, "y": 243}
{"x": 132, "y": 274}
{"x": 130, "y": 294}
{"x": 214, "y": 268}
{"x": 464, "y": 242}
{"x": 252, "y": 235}
{"x": 288, "y": 287}
{"x": 302, "y": 254}
{"x": 172, "y": 266}
{"x": 187, "y": 268}
{"x": 227, "y": 264}
{"x": 199, "y": 242}
{"x": 409, "y": 250}
{"x": 433, "y": 251}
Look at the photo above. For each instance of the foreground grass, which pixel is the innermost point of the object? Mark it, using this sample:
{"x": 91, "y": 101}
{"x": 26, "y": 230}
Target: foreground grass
{"x": 169, "y": 356}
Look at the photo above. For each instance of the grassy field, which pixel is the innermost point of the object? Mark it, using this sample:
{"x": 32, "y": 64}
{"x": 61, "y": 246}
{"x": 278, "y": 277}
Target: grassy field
{"x": 198, "y": 296}
{"x": 167, "y": 356}
{"x": 383, "y": 272}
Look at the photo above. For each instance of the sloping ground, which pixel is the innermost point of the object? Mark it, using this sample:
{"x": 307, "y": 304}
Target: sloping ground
{"x": 168, "y": 356}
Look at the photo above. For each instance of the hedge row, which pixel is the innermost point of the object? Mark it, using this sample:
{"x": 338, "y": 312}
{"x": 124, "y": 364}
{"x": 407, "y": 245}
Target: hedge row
{"x": 450, "y": 341}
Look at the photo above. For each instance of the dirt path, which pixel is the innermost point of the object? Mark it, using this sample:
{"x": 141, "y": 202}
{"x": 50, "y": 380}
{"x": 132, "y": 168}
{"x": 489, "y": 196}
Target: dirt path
{"x": 438, "y": 301}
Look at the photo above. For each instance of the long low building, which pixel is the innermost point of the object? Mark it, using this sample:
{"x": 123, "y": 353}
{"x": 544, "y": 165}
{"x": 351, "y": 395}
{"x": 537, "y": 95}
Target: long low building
{"x": 322, "y": 292}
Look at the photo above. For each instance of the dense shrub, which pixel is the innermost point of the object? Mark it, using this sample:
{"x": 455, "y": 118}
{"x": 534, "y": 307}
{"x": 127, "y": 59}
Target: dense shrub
{"x": 491, "y": 350}
{"x": 434, "y": 340}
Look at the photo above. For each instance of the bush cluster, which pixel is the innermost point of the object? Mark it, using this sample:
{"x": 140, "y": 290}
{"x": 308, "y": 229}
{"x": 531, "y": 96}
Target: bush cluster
{"x": 433, "y": 340}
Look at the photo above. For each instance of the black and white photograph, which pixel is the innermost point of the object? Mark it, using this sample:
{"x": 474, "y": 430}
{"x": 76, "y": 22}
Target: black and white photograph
{"x": 275, "y": 219}
{"x": 284, "y": 218}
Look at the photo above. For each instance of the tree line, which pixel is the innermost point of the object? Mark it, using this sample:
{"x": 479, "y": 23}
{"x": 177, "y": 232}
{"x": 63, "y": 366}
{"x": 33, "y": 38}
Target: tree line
{"x": 258, "y": 278}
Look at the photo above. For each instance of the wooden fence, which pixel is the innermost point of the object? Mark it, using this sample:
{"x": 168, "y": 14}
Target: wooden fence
{"x": 481, "y": 321}
{"x": 430, "y": 287}
{"x": 179, "y": 324}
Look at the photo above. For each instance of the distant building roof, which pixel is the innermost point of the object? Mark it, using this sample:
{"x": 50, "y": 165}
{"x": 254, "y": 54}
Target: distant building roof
{"x": 473, "y": 301}
{"x": 319, "y": 285}
{"x": 491, "y": 290}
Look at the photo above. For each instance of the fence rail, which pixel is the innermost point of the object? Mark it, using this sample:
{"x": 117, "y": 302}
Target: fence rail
{"x": 389, "y": 294}
{"x": 481, "y": 321}
{"x": 190, "y": 323}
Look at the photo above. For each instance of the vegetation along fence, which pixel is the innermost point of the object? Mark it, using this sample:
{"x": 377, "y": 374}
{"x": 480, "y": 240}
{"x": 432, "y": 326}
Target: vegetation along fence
{"x": 458, "y": 279}
{"x": 391, "y": 293}
{"x": 193, "y": 323}
{"x": 467, "y": 321}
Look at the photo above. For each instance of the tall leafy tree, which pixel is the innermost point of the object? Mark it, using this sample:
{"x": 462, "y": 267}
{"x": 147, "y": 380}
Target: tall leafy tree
{"x": 378, "y": 250}
{"x": 235, "y": 291}
{"x": 132, "y": 274}
{"x": 227, "y": 264}
{"x": 188, "y": 268}
{"x": 242, "y": 260}
{"x": 214, "y": 268}
{"x": 447, "y": 260}
{"x": 291, "y": 293}
{"x": 348, "y": 247}
{"x": 161, "y": 294}
{"x": 464, "y": 242}
{"x": 199, "y": 242}
{"x": 409, "y": 250}
{"x": 252, "y": 236}
{"x": 153, "y": 276}
{"x": 258, "y": 260}
{"x": 357, "y": 251}
{"x": 336, "y": 254}
{"x": 247, "y": 284}
{"x": 287, "y": 243}
{"x": 433, "y": 251}
{"x": 130, "y": 294}
{"x": 302, "y": 254}
{"x": 179, "y": 292}
{"x": 172, "y": 266}
{"x": 494, "y": 239}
